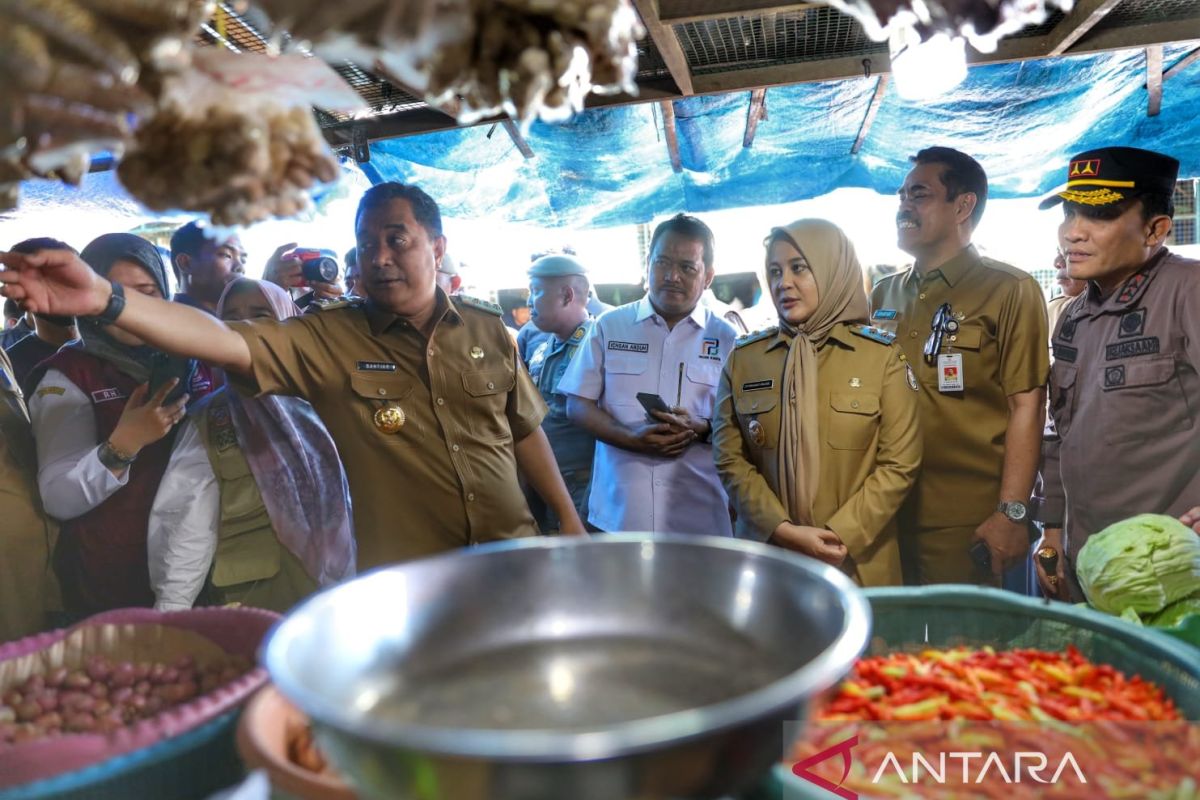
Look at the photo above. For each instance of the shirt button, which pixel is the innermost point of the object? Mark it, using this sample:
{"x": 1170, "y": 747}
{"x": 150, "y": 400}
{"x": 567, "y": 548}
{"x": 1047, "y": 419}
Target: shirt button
{"x": 431, "y": 353}
{"x": 954, "y": 338}
{"x": 383, "y": 391}
{"x": 441, "y": 402}
{"x": 470, "y": 497}
{"x": 658, "y": 483}
{"x": 491, "y": 385}
{"x": 854, "y": 404}
{"x": 454, "y": 447}
{"x": 922, "y": 295}
{"x": 912, "y": 335}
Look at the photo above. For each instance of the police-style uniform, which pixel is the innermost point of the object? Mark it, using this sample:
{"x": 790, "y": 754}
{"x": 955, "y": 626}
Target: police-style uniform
{"x": 870, "y": 441}
{"x": 425, "y": 427}
{"x": 573, "y": 446}
{"x": 27, "y": 586}
{"x": 997, "y": 350}
{"x": 1126, "y": 375}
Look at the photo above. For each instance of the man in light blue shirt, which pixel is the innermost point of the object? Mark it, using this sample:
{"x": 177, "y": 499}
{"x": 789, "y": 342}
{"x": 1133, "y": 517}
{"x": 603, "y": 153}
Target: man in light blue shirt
{"x": 653, "y": 470}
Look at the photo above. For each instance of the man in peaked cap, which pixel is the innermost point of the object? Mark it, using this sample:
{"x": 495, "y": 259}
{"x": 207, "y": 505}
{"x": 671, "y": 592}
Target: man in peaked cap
{"x": 558, "y": 297}
{"x": 1126, "y": 373}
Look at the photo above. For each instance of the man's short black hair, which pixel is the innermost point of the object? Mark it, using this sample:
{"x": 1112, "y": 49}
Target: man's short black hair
{"x": 689, "y": 227}
{"x": 30, "y": 246}
{"x": 424, "y": 208}
{"x": 188, "y": 240}
{"x": 961, "y": 174}
{"x": 351, "y": 259}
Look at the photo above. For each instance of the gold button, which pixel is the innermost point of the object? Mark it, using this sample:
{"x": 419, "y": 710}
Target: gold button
{"x": 912, "y": 335}
{"x": 382, "y": 392}
{"x": 441, "y": 402}
{"x": 454, "y": 447}
{"x": 954, "y": 338}
{"x": 491, "y": 385}
{"x": 922, "y": 295}
{"x": 470, "y": 497}
{"x": 854, "y": 404}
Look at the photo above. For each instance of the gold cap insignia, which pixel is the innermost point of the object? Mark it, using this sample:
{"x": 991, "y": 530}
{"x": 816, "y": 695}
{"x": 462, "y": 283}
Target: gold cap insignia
{"x": 757, "y": 434}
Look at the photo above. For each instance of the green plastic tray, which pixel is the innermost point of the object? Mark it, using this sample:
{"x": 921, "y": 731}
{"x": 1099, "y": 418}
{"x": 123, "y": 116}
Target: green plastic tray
{"x": 946, "y": 616}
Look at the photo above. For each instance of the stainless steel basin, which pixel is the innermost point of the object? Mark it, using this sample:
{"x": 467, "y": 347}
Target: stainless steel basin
{"x": 623, "y": 666}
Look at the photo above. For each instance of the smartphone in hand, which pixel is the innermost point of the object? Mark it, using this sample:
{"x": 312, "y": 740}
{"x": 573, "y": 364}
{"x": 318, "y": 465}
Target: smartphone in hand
{"x": 981, "y": 555}
{"x": 653, "y": 402}
{"x": 163, "y": 368}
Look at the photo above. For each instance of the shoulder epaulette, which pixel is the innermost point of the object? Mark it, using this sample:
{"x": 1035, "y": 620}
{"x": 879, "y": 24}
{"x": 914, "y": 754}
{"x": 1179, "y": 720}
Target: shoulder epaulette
{"x": 329, "y": 304}
{"x": 757, "y": 336}
{"x": 481, "y": 305}
{"x": 873, "y": 333}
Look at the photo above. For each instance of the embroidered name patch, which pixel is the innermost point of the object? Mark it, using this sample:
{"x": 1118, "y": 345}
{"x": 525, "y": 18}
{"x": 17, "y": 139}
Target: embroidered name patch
{"x": 754, "y": 386}
{"x": 105, "y": 395}
{"x": 711, "y": 349}
{"x": 376, "y": 366}
{"x": 1064, "y": 353}
{"x": 629, "y": 347}
{"x": 884, "y": 313}
{"x": 1136, "y": 347}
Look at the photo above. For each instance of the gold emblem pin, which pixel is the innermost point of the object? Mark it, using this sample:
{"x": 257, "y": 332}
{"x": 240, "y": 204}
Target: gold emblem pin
{"x": 476, "y": 352}
{"x": 855, "y": 383}
{"x": 390, "y": 418}
{"x": 757, "y": 434}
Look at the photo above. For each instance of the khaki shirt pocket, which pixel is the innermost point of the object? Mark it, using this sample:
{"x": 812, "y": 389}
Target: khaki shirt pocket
{"x": 242, "y": 558}
{"x": 1146, "y": 400}
{"x": 375, "y": 391}
{"x": 488, "y": 392}
{"x": 759, "y": 412}
{"x": 1062, "y": 396}
{"x": 853, "y": 421}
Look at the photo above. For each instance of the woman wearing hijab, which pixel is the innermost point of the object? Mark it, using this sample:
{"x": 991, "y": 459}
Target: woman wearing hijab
{"x": 103, "y": 439}
{"x": 816, "y": 436}
{"x": 254, "y": 507}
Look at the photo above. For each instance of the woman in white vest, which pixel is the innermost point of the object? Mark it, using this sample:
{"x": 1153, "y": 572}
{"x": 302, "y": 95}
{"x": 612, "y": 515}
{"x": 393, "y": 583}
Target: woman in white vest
{"x": 254, "y": 507}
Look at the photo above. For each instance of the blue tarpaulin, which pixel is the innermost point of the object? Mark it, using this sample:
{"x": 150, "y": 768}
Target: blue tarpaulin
{"x": 611, "y": 166}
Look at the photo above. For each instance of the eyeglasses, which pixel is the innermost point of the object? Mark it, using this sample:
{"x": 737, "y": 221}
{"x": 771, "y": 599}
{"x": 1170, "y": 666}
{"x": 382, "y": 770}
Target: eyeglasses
{"x": 943, "y": 323}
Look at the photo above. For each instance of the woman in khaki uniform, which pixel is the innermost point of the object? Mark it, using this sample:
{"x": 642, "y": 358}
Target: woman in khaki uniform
{"x": 816, "y": 437}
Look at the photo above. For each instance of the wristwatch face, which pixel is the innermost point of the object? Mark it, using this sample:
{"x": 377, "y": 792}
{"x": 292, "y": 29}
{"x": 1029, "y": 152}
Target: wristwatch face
{"x": 1014, "y": 511}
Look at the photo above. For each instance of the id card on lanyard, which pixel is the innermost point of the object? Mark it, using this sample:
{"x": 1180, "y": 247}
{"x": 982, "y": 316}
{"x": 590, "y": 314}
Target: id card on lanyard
{"x": 950, "y": 372}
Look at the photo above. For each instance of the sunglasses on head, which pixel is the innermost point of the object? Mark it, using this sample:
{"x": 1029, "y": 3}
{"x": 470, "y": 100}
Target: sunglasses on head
{"x": 943, "y": 322}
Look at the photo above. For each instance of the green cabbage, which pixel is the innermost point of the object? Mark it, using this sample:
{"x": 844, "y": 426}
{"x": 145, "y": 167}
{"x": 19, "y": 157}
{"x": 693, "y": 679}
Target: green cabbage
{"x": 1142, "y": 564}
{"x": 1176, "y": 613}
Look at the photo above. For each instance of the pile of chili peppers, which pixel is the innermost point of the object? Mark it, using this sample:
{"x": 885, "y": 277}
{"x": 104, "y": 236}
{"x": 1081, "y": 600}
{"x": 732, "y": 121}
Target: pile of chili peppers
{"x": 984, "y": 684}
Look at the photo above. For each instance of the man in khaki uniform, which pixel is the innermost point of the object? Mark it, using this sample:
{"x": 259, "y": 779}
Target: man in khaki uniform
{"x": 423, "y": 395}
{"x": 974, "y": 330}
{"x": 27, "y": 587}
{"x": 1126, "y": 358}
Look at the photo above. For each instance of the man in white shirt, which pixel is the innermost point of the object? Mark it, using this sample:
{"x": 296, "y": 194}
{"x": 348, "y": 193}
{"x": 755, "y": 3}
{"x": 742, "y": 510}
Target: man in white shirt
{"x": 654, "y": 471}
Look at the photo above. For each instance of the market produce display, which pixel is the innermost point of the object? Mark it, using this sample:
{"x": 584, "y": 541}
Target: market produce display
{"x": 474, "y": 58}
{"x": 986, "y": 684}
{"x": 1145, "y": 569}
{"x": 106, "y": 695}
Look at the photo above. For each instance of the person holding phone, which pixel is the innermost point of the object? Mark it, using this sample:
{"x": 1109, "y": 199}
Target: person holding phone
{"x": 103, "y": 440}
{"x": 254, "y": 506}
{"x": 816, "y": 434}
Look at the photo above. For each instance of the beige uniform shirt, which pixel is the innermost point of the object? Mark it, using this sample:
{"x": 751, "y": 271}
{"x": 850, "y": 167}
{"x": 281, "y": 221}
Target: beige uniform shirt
{"x": 870, "y": 441}
{"x": 447, "y": 476}
{"x": 27, "y": 586}
{"x": 1002, "y": 340}
{"x": 1125, "y": 402}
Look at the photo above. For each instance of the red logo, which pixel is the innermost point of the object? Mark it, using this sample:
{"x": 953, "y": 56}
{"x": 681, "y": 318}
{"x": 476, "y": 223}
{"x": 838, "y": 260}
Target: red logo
{"x": 1088, "y": 168}
{"x": 801, "y": 768}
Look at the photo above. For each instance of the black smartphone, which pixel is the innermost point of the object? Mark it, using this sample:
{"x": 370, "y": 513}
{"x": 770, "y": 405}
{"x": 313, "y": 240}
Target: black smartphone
{"x": 163, "y": 368}
{"x": 652, "y": 402}
{"x": 981, "y": 555}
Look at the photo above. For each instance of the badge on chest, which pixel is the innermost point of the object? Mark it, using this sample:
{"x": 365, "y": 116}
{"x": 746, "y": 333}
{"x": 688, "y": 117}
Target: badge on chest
{"x": 950, "y": 372}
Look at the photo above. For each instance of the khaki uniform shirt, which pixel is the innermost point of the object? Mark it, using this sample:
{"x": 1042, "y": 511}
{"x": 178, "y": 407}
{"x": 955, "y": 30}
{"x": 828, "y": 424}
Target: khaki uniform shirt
{"x": 27, "y": 586}
{"x": 870, "y": 441}
{"x": 1002, "y": 339}
{"x": 1124, "y": 400}
{"x": 448, "y": 476}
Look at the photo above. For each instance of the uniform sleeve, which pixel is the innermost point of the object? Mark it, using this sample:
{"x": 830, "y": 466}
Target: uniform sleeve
{"x": 525, "y": 409}
{"x": 1024, "y": 336}
{"x": 748, "y": 490}
{"x": 1049, "y": 501}
{"x": 182, "y": 537}
{"x": 867, "y": 512}
{"x": 281, "y": 356}
{"x": 584, "y": 376}
{"x": 1190, "y": 317}
{"x": 70, "y": 476}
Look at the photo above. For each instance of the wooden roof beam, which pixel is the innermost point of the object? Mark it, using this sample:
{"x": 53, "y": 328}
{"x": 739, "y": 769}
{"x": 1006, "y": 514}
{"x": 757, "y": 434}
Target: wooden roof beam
{"x": 872, "y": 110}
{"x": 1154, "y": 79}
{"x": 1074, "y": 26}
{"x": 517, "y": 138}
{"x": 672, "y": 136}
{"x": 667, "y": 42}
{"x": 1182, "y": 64}
{"x": 756, "y": 113}
{"x": 677, "y": 12}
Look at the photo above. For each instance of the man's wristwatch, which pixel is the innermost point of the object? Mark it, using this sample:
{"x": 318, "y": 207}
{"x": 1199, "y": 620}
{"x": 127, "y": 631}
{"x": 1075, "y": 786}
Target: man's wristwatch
{"x": 116, "y": 304}
{"x": 112, "y": 458}
{"x": 1015, "y": 510}
{"x": 706, "y": 437}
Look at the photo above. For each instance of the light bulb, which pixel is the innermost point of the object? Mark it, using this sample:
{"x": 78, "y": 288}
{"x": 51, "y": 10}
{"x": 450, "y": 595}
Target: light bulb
{"x": 926, "y": 69}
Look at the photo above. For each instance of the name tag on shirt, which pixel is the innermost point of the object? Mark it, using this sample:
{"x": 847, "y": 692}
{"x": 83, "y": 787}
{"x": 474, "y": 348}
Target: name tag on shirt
{"x": 950, "y": 372}
{"x": 107, "y": 395}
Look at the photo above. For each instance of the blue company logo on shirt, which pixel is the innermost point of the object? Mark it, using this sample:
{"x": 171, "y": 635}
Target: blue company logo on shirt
{"x": 711, "y": 348}
{"x": 884, "y": 313}
{"x": 629, "y": 347}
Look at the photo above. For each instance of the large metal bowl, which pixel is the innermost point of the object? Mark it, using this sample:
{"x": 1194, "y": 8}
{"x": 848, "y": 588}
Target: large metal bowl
{"x": 623, "y": 666}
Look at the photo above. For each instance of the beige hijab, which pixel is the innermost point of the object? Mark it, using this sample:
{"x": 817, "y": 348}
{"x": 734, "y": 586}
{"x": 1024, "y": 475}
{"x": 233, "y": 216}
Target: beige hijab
{"x": 841, "y": 298}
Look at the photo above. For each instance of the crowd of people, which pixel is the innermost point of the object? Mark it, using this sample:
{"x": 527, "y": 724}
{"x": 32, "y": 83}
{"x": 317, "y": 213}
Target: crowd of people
{"x": 222, "y": 446}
